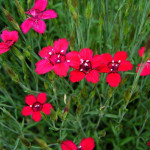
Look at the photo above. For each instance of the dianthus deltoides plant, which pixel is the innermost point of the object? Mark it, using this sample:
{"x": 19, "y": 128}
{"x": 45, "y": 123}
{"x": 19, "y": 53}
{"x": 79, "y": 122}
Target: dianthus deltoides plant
{"x": 75, "y": 75}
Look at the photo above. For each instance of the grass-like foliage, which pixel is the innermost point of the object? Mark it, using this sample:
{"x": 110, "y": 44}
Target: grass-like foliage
{"x": 117, "y": 118}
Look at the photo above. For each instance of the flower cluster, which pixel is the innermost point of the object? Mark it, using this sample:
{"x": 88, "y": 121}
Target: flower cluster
{"x": 84, "y": 64}
{"x": 55, "y": 58}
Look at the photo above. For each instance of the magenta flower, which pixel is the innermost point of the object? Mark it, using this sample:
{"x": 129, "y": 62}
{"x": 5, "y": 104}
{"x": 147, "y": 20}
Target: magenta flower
{"x": 37, "y": 12}
{"x": 9, "y": 38}
{"x": 113, "y": 65}
{"x": 54, "y": 58}
{"x": 85, "y": 65}
{"x": 36, "y": 105}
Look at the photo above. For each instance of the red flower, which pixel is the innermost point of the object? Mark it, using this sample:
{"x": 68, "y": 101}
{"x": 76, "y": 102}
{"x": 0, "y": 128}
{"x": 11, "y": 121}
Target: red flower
{"x": 36, "y": 106}
{"x": 112, "y": 65}
{"x": 37, "y": 12}
{"x": 54, "y": 58}
{"x": 148, "y": 144}
{"x": 85, "y": 65}
{"x": 86, "y": 144}
{"x": 9, "y": 38}
{"x": 146, "y": 66}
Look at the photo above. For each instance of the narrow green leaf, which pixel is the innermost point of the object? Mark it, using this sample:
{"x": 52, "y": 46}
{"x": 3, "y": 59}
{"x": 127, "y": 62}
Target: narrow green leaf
{"x": 11, "y": 19}
{"x": 126, "y": 140}
{"x": 11, "y": 73}
{"x": 42, "y": 144}
{"x": 20, "y": 10}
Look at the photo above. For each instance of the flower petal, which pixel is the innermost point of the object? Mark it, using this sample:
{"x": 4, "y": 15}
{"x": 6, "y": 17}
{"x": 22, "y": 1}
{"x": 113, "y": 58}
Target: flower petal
{"x": 39, "y": 26}
{"x": 40, "y": 5}
{"x": 68, "y": 145}
{"x": 76, "y": 76}
{"x": 3, "y": 47}
{"x": 30, "y": 99}
{"x": 113, "y": 79}
{"x": 9, "y": 36}
{"x": 125, "y": 66}
{"x": 141, "y": 51}
{"x": 103, "y": 68}
{"x": 121, "y": 55}
{"x": 26, "y": 111}
{"x": 145, "y": 69}
{"x": 46, "y": 52}
{"x": 48, "y": 14}
{"x": 87, "y": 144}
{"x": 43, "y": 66}
{"x": 47, "y": 108}
{"x": 61, "y": 46}
{"x": 65, "y": 147}
{"x": 61, "y": 69}
{"x": 92, "y": 76}
{"x": 36, "y": 116}
{"x": 26, "y": 25}
{"x": 41, "y": 97}
{"x": 96, "y": 61}
{"x": 106, "y": 58}
{"x": 86, "y": 54}
{"x": 73, "y": 59}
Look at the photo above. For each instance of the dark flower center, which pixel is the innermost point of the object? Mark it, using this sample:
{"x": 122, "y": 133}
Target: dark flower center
{"x": 37, "y": 106}
{"x": 57, "y": 58}
{"x": 85, "y": 66}
{"x": 79, "y": 148}
{"x": 114, "y": 66}
{"x": 9, "y": 42}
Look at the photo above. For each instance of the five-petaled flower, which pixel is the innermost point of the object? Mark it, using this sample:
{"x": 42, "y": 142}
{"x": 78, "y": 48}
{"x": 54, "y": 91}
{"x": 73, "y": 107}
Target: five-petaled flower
{"x": 112, "y": 65}
{"x": 36, "y": 105}
{"x": 86, "y": 144}
{"x": 145, "y": 66}
{"x": 84, "y": 64}
{"x": 37, "y": 12}
{"x": 9, "y": 38}
{"x": 54, "y": 58}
